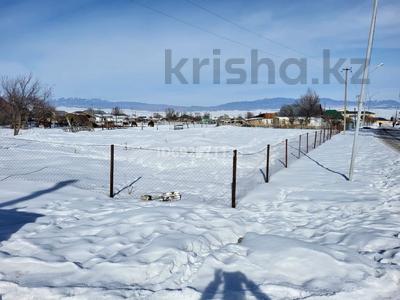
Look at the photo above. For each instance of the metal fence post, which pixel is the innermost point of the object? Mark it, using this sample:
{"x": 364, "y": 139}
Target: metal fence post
{"x": 267, "y": 165}
{"x": 299, "y": 145}
{"x": 320, "y": 137}
{"x": 234, "y": 178}
{"x": 112, "y": 172}
{"x": 315, "y": 139}
{"x": 307, "y": 144}
{"x": 286, "y": 154}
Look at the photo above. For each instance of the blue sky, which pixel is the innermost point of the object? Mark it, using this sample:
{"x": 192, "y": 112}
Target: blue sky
{"x": 115, "y": 49}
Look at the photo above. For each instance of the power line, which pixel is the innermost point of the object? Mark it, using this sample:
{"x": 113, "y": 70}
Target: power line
{"x": 201, "y": 28}
{"x": 244, "y": 28}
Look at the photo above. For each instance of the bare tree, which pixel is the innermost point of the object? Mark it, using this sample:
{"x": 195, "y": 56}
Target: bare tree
{"x": 157, "y": 115}
{"x": 5, "y": 112}
{"x": 22, "y": 93}
{"x": 309, "y": 106}
{"x": 116, "y": 111}
{"x": 290, "y": 111}
{"x": 42, "y": 112}
{"x": 170, "y": 114}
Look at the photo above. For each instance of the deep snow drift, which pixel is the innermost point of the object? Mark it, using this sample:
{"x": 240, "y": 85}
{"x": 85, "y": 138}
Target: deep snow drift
{"x": 309, "y": 233}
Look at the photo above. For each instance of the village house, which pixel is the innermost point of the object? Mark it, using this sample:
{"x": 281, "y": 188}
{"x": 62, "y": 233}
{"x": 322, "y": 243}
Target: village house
{"x": 281, "y": 122}
{"x": 382, "y": 122}
{"x": 261, "y": 120}
{"x": 313, "y": 122}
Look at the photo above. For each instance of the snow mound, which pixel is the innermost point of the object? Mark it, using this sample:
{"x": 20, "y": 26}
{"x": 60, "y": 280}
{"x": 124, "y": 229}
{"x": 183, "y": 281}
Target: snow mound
{"x": 273, "y": 267}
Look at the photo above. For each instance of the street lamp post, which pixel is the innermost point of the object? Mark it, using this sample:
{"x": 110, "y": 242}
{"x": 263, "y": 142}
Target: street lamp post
{"x": 363, "y": 83}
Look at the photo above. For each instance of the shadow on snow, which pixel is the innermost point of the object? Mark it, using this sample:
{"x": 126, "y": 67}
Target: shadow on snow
{"x": 235, "y": 286}
{"x": 12, "y": 220}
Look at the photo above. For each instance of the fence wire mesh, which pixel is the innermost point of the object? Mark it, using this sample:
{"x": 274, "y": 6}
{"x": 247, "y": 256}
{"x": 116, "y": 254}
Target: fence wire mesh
{"x": 250, "y": 171}
{"x": 199, "y": 175}
{"x": 81, "y": 165}
{"x": 202, "y": 176}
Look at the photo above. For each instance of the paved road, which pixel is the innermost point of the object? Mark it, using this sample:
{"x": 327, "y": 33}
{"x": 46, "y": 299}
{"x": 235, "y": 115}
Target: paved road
{"x": 389, "y": 136}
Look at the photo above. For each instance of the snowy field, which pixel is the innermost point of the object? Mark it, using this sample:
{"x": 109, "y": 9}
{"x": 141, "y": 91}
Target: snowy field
{"x": 196, "y": 138}
{"x": 308, "y": 234}
{"x": 196, "y": 160}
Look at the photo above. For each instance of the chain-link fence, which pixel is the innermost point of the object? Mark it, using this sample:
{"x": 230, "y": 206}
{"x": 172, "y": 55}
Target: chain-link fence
{"x": 198, "y": 175}
{"x": 208, "y": 175}
{"x": 84, "y": 166}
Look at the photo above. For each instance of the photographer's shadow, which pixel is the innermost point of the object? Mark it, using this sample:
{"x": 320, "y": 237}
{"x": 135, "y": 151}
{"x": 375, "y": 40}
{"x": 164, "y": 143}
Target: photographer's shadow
{"x": 235, "y": 285}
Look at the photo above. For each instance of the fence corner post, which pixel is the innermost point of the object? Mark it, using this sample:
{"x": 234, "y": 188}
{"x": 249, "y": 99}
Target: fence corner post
{"x": 286, "y": 153}
{"x": 234, "y": 167}
{"x": 112, "y": 171}
{"x": 267, "y": 165}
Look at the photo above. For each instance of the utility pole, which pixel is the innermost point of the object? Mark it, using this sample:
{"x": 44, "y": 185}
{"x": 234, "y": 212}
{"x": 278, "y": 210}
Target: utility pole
{"x": 363, "y": 84}
{"x": 364, "y": 110}
{"x": 395, "y": 116}
{"x": 345, "y": 70}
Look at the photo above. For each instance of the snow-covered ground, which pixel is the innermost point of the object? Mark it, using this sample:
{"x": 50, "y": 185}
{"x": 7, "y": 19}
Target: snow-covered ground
{"x": 195, "y": 138}
{"x": 196, "y": 161}
{"x": 309, "y": 233}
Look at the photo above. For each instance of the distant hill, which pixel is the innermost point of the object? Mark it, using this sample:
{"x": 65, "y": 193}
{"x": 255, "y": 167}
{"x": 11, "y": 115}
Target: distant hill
{"x": 267, "y": 103}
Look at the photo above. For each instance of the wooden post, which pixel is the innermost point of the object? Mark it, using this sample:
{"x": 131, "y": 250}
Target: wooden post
{"x": 307, "y": 144}
{"x": 234, "y": 178}
{"x": 267, "y": 165}
{"x": 286, "y": 154}
{"x": 299, "y": 145}
{"x": 112, "y": 172}
{"x": 315, "y": 139}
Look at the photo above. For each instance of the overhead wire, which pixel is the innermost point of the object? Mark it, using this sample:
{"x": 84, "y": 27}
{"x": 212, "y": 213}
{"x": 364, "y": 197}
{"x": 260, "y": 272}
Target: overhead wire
{"x": 211, "y": 12}
{"x": 220, "y": 36}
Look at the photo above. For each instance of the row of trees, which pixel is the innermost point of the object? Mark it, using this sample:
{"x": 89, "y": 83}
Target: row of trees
{"x": 24, "y": 98}
{"x": 172, "y": 115}
{"x": 307, "y": 106}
